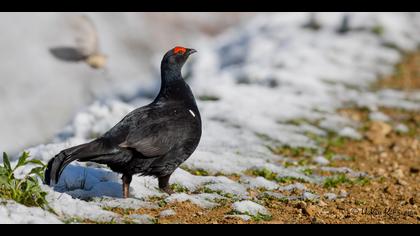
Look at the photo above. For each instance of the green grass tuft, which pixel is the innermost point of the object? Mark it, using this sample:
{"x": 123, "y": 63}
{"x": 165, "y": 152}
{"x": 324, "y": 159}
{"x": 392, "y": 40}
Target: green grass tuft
{"x": 26, "y": 191}
{"x": 333, "y": 182}
{"x": 179, "y": 188}
{"x": 270, "y": 175}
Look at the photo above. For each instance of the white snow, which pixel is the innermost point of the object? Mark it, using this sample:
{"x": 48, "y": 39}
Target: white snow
{"x": 249, "y": 208}
{"x": 350, "y": 133}
{"x": 129, "y": 203}
{"x": 321, "y": 160}
{"x": 309, "y": 196}
{"x": 265, "y": 74}
{"x": 167, "y": 213}
{"x": 204, "y": 200}
{"x": 258, "y": 182}
{"x": 330, "y": 196}
{"x": 378, "y": 116}
{"x": 401, "y": 128}
{"x": 13, "y": 213}
{"x": 141, "y": 219}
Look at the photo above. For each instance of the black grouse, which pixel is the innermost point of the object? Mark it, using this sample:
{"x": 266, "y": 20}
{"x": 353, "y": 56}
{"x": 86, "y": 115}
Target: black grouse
{"x": 150, "y": 141}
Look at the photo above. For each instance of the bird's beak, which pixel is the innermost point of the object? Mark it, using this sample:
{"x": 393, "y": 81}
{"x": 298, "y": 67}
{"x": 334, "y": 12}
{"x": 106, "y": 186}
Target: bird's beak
{"x": 191, "y": 51}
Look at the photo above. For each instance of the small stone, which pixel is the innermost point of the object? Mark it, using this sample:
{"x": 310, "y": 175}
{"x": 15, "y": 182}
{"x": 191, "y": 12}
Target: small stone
{"x": 322, "y": 204}
{"x": 242, "y": 217}
{"x": 402, "y": 182}
{"x": 343, "y": 193}
{"x": 415, "y": 144}
{"x": 315, "y": 220}
{"x": 383, "y": 155}
{"x": 412, "y": 201}
{"x": 341, "y": 208}
{"x": 380, "y": 171}
{"x": 398, "y": 174}
{"x": 378, "y": 131}
{"x": 389, "y": 190}
{"x": 309, "y": 211}
{"x": 301, "y": 205}
{"x": 414, "y": 170}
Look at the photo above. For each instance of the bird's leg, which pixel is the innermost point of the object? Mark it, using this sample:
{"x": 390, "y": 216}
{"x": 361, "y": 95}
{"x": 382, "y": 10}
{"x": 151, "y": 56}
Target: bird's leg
{"x": 126, "y": 184}
{"x": 164, "y": 184}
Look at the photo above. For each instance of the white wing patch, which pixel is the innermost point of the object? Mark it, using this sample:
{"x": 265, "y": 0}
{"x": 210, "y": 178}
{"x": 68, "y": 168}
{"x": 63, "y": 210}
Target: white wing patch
{"x": 192, "y": 113}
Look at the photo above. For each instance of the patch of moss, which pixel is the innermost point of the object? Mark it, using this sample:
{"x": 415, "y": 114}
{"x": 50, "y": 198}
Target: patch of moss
{"x": 266, "y": 173}
{"x": 287, "y": 150}
{"x": 158, "y": 200}
{"x": 261, "y": 217}
{"x": 308, "y": 171}
{"x": 179, "y": 188}
{"x": 197, "y": 172}
{"x": 334, "y": 181}
{"x": 362, "y": 180}
{"x": 270, "y": 175}
{"x": 378, "y": 30}
{"x": 297, "y": 122}
{"x": 264, "y": 137}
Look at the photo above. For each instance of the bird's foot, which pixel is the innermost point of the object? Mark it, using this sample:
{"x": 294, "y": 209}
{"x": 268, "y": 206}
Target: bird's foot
{"x": 167, "y": 190}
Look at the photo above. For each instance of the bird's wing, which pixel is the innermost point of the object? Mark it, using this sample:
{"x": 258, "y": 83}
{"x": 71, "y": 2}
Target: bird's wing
{"x": 150, "y": 131}
{"x": 86, "y": 35}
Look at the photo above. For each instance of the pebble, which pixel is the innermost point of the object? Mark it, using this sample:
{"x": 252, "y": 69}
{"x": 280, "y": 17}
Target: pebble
{"x": 380, "y": 171}
{"x": 412, "y": 201}
{"x": 343, "y": 193}
{"x": 315, "y": 220}
{"x": 310, "y": 210}
{"x": 383, "y": 155}
{"x": 402, "y": 182}
{"x": 301, "y": 205}
{"x": 322, "y": 204}
{"x": 414, "y": 170}
{"x": 398, "y": 173}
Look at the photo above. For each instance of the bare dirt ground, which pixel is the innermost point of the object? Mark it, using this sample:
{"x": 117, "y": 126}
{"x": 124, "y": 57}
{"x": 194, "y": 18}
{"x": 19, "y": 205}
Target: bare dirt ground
{"x": 390, "y": 157}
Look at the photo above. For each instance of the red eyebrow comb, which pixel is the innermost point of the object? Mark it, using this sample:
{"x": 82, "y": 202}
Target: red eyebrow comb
{"x": 181, "y": 50}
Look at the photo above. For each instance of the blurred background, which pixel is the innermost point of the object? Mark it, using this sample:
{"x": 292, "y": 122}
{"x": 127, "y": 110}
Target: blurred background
{"x": 39, "y": 93}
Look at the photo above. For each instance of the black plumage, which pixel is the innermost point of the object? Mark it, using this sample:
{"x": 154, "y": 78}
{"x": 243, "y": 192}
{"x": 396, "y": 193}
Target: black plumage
{"x": 152, "y": 140}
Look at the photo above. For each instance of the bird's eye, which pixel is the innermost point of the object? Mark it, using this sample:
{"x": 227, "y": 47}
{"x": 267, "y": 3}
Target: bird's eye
{"x": 180, "y": 50}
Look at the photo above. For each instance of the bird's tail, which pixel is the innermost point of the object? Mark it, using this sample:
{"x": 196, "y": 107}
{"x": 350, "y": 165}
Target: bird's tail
{"x": 57, "y": 164}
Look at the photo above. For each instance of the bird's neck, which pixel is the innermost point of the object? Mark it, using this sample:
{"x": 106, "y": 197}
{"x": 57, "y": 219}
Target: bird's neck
{"x": 170, "y": 75}
{"x": 173, "y": 86}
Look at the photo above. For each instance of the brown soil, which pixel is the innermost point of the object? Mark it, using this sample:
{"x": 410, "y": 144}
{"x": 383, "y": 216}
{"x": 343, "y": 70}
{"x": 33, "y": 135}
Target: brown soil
{"x": 407, "y": 76}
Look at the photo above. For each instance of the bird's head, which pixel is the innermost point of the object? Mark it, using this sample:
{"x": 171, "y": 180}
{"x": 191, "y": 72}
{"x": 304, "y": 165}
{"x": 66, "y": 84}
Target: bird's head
{"x": 175, "y": 58}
